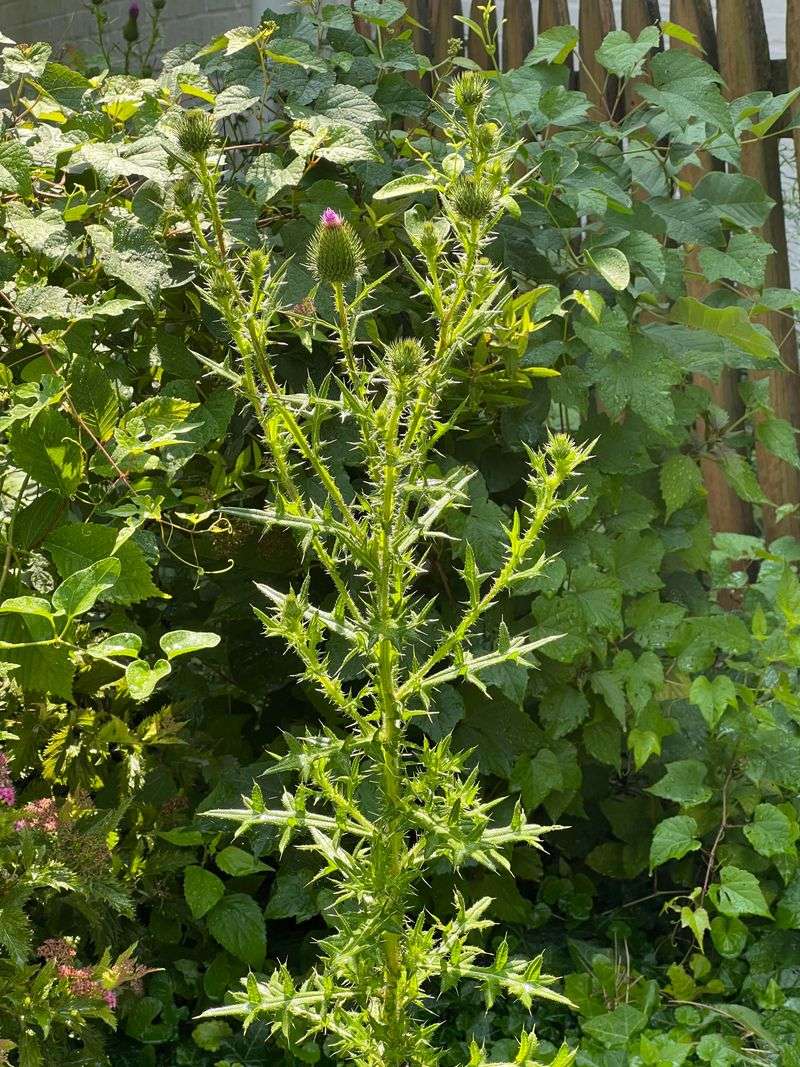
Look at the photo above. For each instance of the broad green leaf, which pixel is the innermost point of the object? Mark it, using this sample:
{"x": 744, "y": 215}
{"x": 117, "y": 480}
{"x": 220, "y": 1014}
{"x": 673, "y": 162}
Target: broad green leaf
{"x": 268, "y": 177}
{"x": 182, "y": 642}
{"x": 736, "y": 198}
{"x": 780, "y": 438}
{"x": 713, "y": 698}
{"x": 739, "y": 893}
{"x": 684, "y": 783}
{"x": 78, "y": 594}
{"x": 27, "y": 605}
{"x": 123, "y": 644}
{"x": 681, "y": 481}
{"x": 66, "y": 86}
{"x": 743, "y": 261}
{"x": 673, "y": 839}
{"x": 142, "y": 679}
{"x": 237, "y": 924}
{"x": 94, "y": 398}
{"x": 680, "y": 33}
{"x": 77, "y": 545}
{"x": 742, "y": 478}
{"x": 380, "y": 12}
{"x": 554, "y": 45}
{"x": 202, "y": 890}
{"x": 732, "y": 323}
{"x": 48, "y": 451}
{"x": 406, "y": 185}
{"x": 729, "y": 936}
{"x": 771, "y": 832}
{"x": 615, "y": 1029}
{"x": 562, "y": 709}
{"x": 612, "y": 265}
{"x": 619, "y": 54}
{"x": 130, "y": 253}
{"x": 238, "y": 863}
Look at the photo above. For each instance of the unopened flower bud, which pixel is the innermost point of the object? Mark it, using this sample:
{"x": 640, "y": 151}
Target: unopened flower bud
{"x": 472, "y": 198}
{"x": 469, "y": 91}
{"x": 335, "y": 254}
{"x": 196, "y": 133}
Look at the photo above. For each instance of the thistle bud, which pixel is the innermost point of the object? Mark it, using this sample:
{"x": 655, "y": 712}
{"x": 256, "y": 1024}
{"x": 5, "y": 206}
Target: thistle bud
{"x": 469, "y": 91}
{"x": 196, "y": 133}
{"x": 472, "y": 199}
{"x": 335, "y": 254}
{"x": 130, "y": 31}
{"x": 405, "y": 357}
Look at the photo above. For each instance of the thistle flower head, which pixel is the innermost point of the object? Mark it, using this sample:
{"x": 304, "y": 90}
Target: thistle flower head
{"x": 335, "y": 254}
{"x": 133, "y": 11}
{"x": 472, "y": 198}
{"x": 196, "y": 133}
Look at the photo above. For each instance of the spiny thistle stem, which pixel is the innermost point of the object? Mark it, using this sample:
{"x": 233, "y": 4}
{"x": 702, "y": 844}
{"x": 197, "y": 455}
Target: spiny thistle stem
{"x": 377, "y": 805}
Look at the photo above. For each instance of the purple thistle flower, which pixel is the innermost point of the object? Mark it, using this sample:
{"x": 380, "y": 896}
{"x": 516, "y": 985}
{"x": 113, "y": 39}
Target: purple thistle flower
{"x": 8, "y": 795}
{"x": 133, "y": 11}
{"x": 330, "y": 218}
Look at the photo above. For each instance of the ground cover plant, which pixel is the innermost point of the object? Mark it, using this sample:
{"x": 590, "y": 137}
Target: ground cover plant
{"x": 291, "y": 345}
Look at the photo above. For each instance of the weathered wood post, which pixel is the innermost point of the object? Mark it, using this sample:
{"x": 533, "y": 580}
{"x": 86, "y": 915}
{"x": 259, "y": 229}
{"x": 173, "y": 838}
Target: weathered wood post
{"x": 746, "y": 67}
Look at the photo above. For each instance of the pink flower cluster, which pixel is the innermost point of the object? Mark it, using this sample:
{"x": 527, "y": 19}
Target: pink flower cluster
{"x": 80, "y": 980}
{"x": 8, "y": 794}
{"x": 40, "y": 815}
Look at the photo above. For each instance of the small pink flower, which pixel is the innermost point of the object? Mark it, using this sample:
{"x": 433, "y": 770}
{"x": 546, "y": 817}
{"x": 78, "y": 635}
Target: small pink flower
{"x": 330, "y": 218}
{"x": 110, "y": 998}
{"x": 8, "y": 795}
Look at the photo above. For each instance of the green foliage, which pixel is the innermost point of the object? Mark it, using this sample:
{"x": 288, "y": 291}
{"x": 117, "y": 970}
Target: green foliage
{"x": 146, "y": 487}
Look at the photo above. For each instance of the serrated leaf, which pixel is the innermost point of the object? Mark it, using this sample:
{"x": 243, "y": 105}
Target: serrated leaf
{"x": 713, "y": 698}
{"x": 731, "y": 323}
{"x": 94, "y": 398}
{"x": 48, "y": 451}
{"x": 619, "y": 54}
{"x": 77, "y": 545}
{"x": 681, "y": 481}
{"x": 554, "y": 45}
{"x": 237, "y": 924}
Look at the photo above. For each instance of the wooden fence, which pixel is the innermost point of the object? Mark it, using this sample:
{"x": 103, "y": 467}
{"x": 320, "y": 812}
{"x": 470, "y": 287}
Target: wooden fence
{"x": 736, "y": 44}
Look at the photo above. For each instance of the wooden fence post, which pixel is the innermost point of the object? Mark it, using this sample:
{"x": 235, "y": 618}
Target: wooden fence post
{"x": 596, "y": 19}
{"x": 442, "y": 21}
{"x": 727, "y": 512}
{"x": 553, "y": 13}
{"x": 517, "y": 33}
{"x": 745, "y": 65}
{"x": 793, "y": 64}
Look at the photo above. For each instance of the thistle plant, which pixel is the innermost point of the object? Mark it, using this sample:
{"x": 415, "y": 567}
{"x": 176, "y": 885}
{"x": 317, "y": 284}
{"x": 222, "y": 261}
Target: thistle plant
{"x": 377, "y": 803}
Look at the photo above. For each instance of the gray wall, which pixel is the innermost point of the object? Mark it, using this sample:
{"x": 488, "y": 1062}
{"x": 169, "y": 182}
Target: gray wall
{"x": 67, "y": 21}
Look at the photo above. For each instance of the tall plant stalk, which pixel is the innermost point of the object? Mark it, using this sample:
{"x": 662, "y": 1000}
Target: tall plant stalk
{"x": 377, "y": 803}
